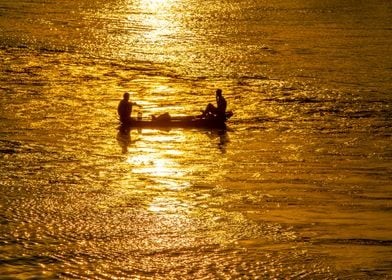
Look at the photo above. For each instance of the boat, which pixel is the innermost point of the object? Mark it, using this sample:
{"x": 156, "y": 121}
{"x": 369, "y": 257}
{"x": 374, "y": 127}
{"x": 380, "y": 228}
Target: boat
{"x": 166, "y": 121}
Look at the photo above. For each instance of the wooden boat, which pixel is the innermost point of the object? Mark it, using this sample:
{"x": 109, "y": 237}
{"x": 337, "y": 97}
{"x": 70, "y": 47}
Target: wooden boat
{"x": 167, "y": 121}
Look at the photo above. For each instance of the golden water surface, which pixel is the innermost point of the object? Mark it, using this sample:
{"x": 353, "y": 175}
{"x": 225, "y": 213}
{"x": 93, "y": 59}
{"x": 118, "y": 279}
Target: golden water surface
{"x": 297, "y": 187}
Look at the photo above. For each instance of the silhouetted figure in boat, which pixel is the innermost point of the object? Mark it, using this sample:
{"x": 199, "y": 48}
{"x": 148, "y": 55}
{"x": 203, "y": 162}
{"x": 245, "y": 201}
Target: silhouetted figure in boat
{"x": 124, "y": 109}
{"x": 220, "y": 110}
{"x": 161, "y": 118}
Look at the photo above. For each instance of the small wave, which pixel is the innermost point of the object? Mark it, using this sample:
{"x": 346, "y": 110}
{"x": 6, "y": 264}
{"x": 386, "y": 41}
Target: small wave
{"x": 254, "y": 120}
{"x": 53, "y": 50}
{"x": 356, "y": 241}
{"x": 254, "y": 77}
{"x": 30, "y": 260}
{"x": 3, "y": 221}
{"x": 7, "y": 151}
{"x": 294, "y": 100}
{"x": 9, "y": 145}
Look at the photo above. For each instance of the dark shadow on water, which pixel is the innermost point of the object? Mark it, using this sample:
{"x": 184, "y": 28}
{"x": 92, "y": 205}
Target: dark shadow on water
{"x": 223, "y": 138}
{"x": 124, "y": 138}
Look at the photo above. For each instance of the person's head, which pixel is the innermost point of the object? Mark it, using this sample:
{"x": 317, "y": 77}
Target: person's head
{"x": 219, "y": 92}
{"x": 126, "y": 96}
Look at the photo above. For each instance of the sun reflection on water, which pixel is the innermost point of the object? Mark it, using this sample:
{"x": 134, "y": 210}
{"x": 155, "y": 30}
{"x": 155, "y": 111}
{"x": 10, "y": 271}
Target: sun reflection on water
{"x": 167, "y": 205}
{"x": 156, "y": 5}
{"x": 157, "y": 21}
{"x": 157, "y": 159}
{"x": 154, "y": 166}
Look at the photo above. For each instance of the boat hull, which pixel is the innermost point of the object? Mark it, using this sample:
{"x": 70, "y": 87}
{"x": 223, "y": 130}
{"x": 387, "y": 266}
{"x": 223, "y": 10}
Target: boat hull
{"x": 191, "y": 123}
{"x": 166, "y": 122}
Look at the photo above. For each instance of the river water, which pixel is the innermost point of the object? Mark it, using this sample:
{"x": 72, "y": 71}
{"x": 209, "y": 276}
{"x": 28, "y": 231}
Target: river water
{"x": 298, "y": 186}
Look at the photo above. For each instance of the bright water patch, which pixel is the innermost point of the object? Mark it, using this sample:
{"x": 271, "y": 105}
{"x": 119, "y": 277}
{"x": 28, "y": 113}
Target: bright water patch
{"x": 297, "y": 187}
